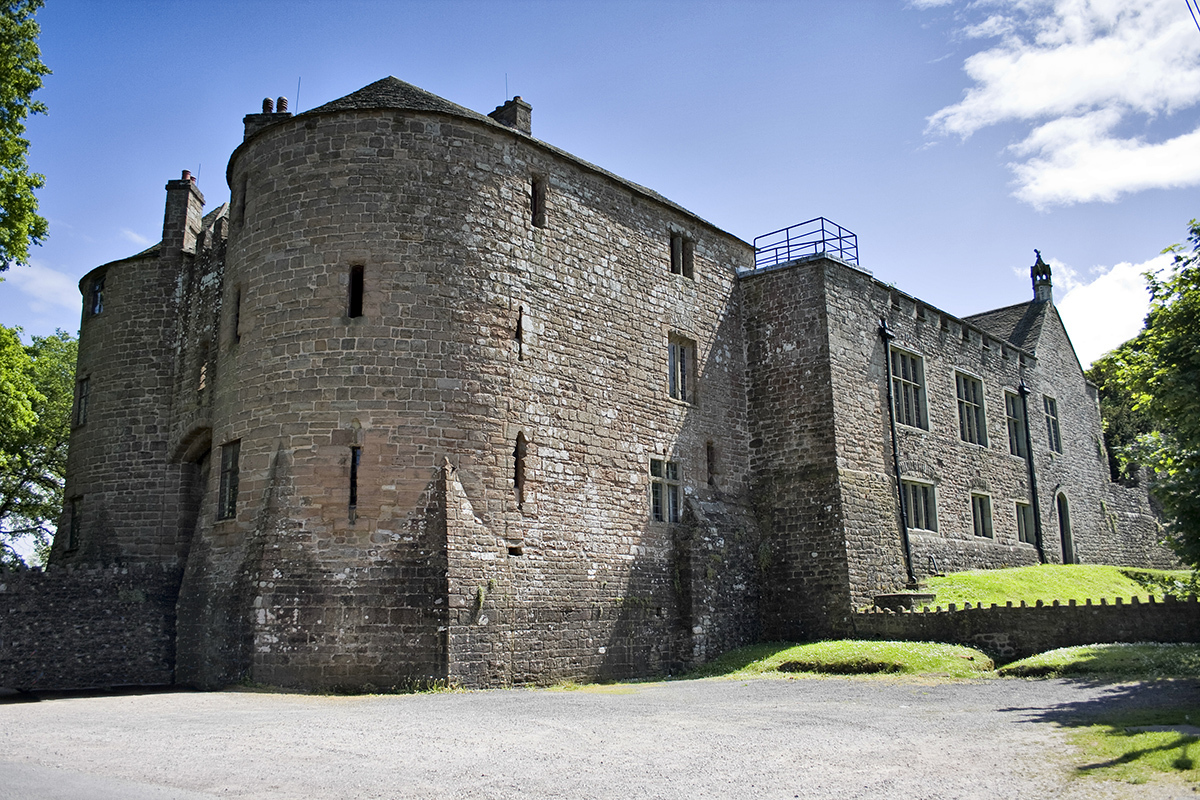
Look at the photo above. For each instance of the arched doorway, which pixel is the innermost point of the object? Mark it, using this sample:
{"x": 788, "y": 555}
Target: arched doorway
{"x": 1064, "y": 530}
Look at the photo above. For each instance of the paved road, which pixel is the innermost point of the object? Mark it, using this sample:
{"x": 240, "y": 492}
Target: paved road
{"x": 818, "y": 738}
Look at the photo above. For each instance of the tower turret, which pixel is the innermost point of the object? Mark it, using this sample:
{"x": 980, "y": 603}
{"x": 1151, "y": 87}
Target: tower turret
{"x": 1043, "y": 289}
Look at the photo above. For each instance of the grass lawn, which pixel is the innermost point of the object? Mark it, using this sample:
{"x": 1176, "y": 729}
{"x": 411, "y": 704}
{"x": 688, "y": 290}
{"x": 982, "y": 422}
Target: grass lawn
{"x": 1118, "y": 750}
{"x": 849, "y": 657}
{"x": 1050, "y": 582}
{"x": 1112, "y": 661}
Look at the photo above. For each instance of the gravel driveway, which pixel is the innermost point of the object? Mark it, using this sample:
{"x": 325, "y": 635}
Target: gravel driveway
{"x": 843, "y": 738}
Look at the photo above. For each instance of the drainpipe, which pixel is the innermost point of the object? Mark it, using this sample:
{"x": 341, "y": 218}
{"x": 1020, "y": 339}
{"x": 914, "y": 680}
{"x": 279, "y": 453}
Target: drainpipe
{"x": 1033, "y": 491}
{"x": 886, "y": 334}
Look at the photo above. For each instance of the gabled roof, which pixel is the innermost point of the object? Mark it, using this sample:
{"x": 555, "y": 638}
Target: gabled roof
{"x": 392, "y": 92}
{"x": 1020, "y": 324}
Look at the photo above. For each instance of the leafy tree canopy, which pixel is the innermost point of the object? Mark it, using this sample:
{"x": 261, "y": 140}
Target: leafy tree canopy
{"x": 21, "y": 72}
{"x": 37, "y": 383}
{"x": 1153, "y": 380}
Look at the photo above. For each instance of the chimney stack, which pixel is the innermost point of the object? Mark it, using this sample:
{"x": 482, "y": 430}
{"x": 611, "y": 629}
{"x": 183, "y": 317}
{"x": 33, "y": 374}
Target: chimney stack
{"x": 516, "y": 113}
{"x": 184, "y": 215}
{"x": 272, "y": 111}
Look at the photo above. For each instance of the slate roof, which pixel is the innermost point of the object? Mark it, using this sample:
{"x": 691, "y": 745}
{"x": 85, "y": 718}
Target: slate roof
{"x": 1020, "y": 324}
{"x": 392, "y": 92}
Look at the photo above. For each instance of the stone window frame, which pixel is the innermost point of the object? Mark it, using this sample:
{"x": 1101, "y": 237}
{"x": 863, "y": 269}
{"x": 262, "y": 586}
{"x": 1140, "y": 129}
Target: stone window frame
{"x": 909, "y": 392}
{"x": 681, "y": 368}
{"x": 74, "y": 522}
{"x": 972, "y": 411}
{"x": 666, "y": 492}
{"x": 520, "y": 467}
{"x": 355, "y": 466}
{"x": 537, "y": 201}
{"x": 83, "y": 394}
{"x": 1026, "y": 531}
{"x": 1053, "y": 431}
{"x": 981, "y": 515}
{"x": 920, "y": 500}
{"x": 227, "y": 486}
{"x": 683, "y": 255}
{"x": 1014, "y": 417}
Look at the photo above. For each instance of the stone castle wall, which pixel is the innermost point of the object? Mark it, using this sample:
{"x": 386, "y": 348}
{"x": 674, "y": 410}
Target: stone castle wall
{"x": 88, "y": 627}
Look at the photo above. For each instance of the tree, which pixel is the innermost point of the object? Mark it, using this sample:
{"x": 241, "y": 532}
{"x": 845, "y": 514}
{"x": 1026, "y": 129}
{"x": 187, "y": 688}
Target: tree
{"x": 1123, "y": 423}
{"x": 37, "y": 383}
{"x": 21, "y": 72}
{"x": 1160, "y": 370}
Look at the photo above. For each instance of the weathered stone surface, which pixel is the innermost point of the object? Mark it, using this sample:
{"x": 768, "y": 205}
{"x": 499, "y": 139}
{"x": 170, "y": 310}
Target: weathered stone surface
{"x": 445, "y": 404}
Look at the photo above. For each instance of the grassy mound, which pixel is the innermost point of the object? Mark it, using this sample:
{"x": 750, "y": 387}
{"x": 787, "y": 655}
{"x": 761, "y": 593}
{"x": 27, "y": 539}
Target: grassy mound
{"x": 1050, "y": 582}
{"x": 849, "y": 657}
{"x": 1130, "y": 661}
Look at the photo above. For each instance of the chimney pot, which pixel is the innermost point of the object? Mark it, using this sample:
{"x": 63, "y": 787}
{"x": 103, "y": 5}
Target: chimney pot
{"x": 268, "y": 106}
{"x": 281, "y": 105}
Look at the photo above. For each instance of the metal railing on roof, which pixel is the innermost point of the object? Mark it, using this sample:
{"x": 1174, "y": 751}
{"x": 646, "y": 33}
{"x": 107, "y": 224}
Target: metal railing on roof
{"x": 811, "y": 238}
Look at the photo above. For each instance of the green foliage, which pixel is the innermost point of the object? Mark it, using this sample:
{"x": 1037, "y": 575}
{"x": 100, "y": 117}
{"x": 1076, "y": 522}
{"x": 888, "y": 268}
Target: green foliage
{"x": 1123, "y": 422}
{"x": 1050, "y": 582}
{"x": 1159, "y": 371}
{"x": 21, "y": 73}
{"x": 1132, "y": 661}
{"x": 37, "y": 383}
{"x": 848, "y": 657}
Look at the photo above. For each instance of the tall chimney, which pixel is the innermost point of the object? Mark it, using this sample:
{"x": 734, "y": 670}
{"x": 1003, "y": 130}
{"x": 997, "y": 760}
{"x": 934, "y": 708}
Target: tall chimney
{"x": 184, "y": 215}
{"x": 272, "y": 111}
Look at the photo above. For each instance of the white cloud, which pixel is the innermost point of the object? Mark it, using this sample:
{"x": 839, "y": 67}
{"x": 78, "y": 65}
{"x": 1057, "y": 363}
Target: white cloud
{"x": 1107, "y": 310}
{"x": 1072, "y": 72}
{"x": 47, "y": 288}
{"x": 136, "y": 238}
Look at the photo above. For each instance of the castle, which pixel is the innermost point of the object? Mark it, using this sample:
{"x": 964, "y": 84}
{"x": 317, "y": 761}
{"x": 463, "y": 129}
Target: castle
{"x": 434, "y": 400}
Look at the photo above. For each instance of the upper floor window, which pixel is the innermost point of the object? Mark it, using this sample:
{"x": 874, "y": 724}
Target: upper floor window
{"x": 664, "y": 490}
{"x": 75, "y": 523}
{"x": 1052, "y": 431}
{"x": 1015, "y": 414}
{"x": 227, "y": 490}
{"x": 683, "y": 256}
{"x": 920, "y": 504}
{"x": 908, "y": 389}
{"x": 981, "y": 515}
{"x": 96, "y": 296}
{"x": 681, "y": 371}
{"x": 972, "y": 425}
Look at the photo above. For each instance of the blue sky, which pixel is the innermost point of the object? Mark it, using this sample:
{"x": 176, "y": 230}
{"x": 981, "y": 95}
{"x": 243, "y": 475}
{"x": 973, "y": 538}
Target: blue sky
{"x": 952, "y": 137}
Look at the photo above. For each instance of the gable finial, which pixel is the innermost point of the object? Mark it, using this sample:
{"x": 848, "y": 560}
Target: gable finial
{"x": 1043, "y": 289}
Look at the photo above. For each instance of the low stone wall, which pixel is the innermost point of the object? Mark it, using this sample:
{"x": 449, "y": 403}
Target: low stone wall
{"x": 1011, "y": 632}
{"x": 84, "y": 628}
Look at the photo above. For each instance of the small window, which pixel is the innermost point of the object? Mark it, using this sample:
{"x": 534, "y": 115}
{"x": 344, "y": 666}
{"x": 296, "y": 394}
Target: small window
{"x": 355, "y": 460}
{"x": 519, "y": 334}
{"x": 538, "y": 202}
{"x": 355, "y": 304}
{"x": 681, "y": 370}
{"x": 664, "y": 490}
{"x": 908, "y": 389}
{"x": 1015, "y": 413}
{"x": 202, "y": 375}
{"x": 981, "y": 515}
{"x": 75, "y": 522}
{"x": 972, "y": 426}
{"x": 228, "y": 488}
{"x": 710, "y": 463}
{"x": 1026, "y": 532}
{"x": 683, "y": 256}
{"x": 81, "y": 408}
{"x": 1052, "y": 431}
{"x": 920, "y": 505}
{"x": 520, "y": 451}
{"x": 96, "y": 298}
{"x": 237, "y": 315}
